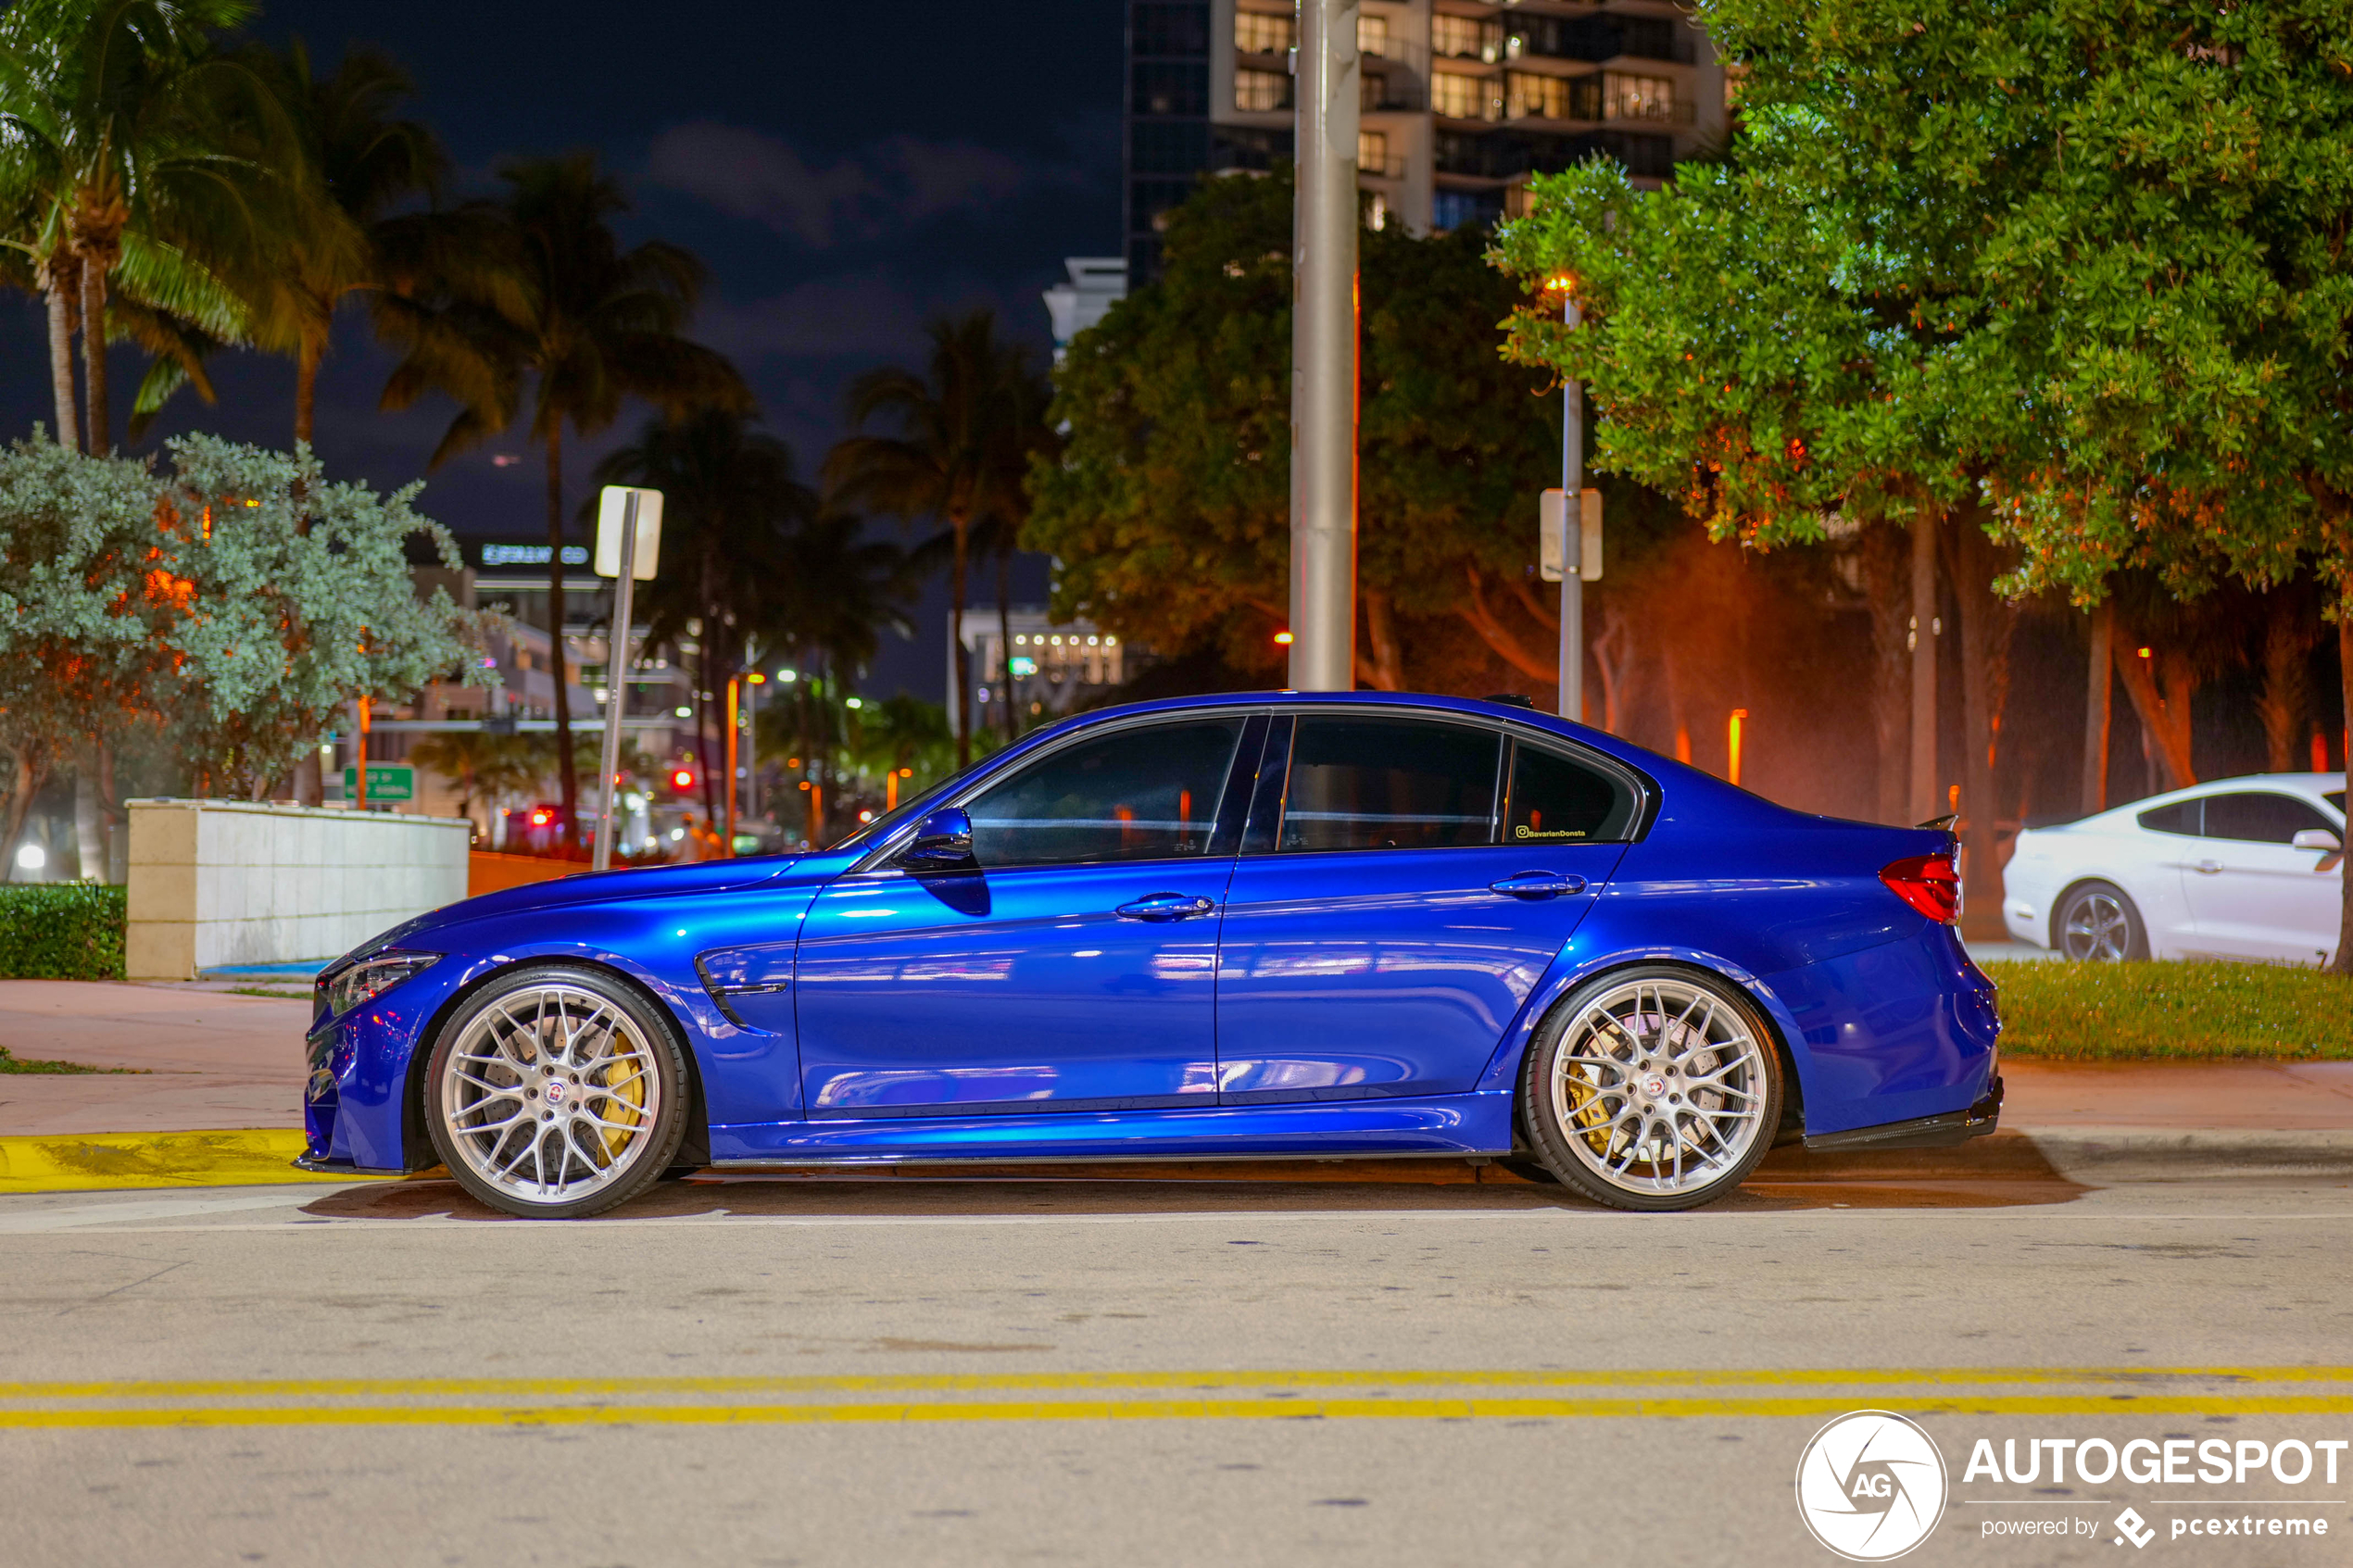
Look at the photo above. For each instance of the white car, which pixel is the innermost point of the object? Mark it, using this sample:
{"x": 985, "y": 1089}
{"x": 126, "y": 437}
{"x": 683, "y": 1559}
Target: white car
{"x": 2246, "y": 867}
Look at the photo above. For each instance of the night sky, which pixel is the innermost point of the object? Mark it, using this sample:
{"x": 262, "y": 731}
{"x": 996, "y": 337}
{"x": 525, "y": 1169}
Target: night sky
{"x": 848, "y": 170}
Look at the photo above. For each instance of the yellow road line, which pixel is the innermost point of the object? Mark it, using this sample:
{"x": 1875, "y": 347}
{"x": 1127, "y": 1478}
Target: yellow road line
{"x": 97, "y": 1162}
{"x": 558, "y": 1387}
{"x": 1148, "y": 1410}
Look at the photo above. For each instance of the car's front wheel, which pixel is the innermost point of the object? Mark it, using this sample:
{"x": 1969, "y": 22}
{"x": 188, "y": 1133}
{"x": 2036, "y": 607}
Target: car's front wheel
{"x": 2097, "y": 923}
{"x": 556, "y": 1092}
{"x": 1653, "y": 1089}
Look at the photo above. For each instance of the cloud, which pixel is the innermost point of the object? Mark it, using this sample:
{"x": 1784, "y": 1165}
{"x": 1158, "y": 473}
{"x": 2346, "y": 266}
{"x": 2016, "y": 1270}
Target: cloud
{"x": 891, "y": 184}
{"x": 852, "y": 315}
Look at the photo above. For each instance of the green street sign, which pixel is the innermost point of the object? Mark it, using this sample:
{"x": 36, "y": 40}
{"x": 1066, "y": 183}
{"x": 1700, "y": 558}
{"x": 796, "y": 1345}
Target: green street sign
{"x": 388, "y": 782}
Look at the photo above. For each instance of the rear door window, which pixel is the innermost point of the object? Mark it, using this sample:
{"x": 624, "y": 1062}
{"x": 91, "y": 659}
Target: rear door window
{"x": 1555, "y": 799}
{"x": 1390, "y": 784}
{"x": 2261, "y": 817}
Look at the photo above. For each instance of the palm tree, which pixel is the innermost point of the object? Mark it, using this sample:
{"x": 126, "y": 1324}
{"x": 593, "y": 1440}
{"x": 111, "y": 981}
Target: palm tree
{"x": 136, "y": 154}
{"x": 730, "y": 499}
{"x": 359, "y": 162}
{"x": 949, "y": 460}
{"x": 537, "y": 284}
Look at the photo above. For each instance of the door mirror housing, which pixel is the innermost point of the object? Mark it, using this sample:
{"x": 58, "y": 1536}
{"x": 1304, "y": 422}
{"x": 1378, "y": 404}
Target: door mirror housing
{"x": 2316, "y": 838}
{"x": 943, "y": 839}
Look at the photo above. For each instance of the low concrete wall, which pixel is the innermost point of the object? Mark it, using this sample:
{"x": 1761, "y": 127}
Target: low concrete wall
{"x": 214, "y": 882}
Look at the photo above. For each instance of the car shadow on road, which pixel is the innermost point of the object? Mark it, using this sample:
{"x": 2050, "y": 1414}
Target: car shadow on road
{"x": 2002, "y": 1171}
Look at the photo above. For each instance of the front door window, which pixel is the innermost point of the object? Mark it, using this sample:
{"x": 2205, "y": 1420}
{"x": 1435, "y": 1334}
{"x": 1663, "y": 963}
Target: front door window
{"x": 1149, "y": 794}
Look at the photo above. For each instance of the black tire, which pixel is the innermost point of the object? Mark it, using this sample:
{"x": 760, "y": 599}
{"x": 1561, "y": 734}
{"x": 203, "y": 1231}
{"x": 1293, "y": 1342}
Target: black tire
{"x": 1656, "y": 1046}
{"x": 2099, "y": 923}
{"x": 587, "y": 1029}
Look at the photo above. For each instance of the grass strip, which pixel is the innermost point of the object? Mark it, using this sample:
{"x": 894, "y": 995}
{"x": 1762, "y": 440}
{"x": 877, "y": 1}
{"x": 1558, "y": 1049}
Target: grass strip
{"x": 2173, "y": 1010}
{"x": 26, "y": 1065}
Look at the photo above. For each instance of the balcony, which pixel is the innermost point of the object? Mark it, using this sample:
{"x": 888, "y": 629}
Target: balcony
{"x": 1598, "y": 38}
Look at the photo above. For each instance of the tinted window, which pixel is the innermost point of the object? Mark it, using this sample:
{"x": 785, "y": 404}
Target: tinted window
{"x": 2180, "y": 817}
{"x": 1556, "y": 799}
{"x": 2335, "y": 798}
{"x": 1138, "y": 795}
{"x": 2260, "y": 819}
{"x": 1389, "y": 784}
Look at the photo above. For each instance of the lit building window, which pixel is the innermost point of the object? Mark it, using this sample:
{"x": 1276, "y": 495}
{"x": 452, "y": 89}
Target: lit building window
{"x": 1462, "y": 38}
{"x": 1372, "y": 152}
{"x": 1372, "y": 35}
{"x": 1458, "y": 96}
{"x": 1262, "y": 90}
{"x": 1545, "y": 97}
{"x": 1638, "y": 98}
{"x": 1261, "y": 33}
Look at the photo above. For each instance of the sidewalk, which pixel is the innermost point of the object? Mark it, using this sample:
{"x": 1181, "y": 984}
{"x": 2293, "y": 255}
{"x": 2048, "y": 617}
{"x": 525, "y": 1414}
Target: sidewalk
{"x": 214, "y": 1061}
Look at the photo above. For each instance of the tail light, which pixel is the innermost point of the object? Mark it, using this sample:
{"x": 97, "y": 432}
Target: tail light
{"x": 1928, "y": 884}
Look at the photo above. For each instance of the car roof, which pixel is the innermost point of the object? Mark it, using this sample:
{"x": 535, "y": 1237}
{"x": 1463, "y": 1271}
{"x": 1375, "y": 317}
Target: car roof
{"x": 2314, "y": 787}
{"x": 1462, "y": 706}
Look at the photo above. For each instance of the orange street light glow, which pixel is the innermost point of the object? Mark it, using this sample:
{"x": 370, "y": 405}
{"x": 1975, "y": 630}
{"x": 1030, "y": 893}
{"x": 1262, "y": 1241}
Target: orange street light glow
{"x": 1282, "y": 639}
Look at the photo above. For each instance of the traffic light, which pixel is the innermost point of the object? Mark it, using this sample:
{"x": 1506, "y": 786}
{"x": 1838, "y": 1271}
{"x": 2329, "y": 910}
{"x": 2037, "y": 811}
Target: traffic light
{"x": 683, "y": 780}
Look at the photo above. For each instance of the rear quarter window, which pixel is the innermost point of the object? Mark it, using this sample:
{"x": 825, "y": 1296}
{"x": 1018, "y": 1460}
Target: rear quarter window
{"x": 2182, "y": 816}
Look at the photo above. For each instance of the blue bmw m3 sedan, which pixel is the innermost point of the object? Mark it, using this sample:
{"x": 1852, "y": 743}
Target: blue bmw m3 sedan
{"x": 1248, "y": 925}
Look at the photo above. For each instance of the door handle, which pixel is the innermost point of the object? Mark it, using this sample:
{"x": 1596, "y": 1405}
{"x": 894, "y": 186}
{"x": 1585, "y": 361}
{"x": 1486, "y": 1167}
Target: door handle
{"x": 1166, "y": 906}
{"x": 2207, "y": 868}
{"x": 1539, "y": 884}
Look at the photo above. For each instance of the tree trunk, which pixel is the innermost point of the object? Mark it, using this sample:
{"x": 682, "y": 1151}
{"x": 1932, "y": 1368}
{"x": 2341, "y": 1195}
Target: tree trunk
{"x": 1982, "y": 618}
{"x": 1885, "y": 562}
{"x": 958, "y": 651}
{"x": 62, "y": 285}
{"x": 1005, "y": 640}
{"x": 564, "y": 766}
{"x": 2165, "y": 719}
{"x": 2099, "y": 685}
{"x": 1381, "y": 632}
{"x": 306, "y": 387}
{"x": 30, "y": 774}
{"x": 2287, "y": 683}
{"x": 1499, "y": 637}
{"x": 2343, "y": 963}
{"x": 1614, "y": 662}
{"x": 93, "y": 351}
{"x": 1927, "y": 797}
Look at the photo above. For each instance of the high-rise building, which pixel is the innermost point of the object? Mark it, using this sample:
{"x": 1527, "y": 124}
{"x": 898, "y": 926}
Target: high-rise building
{"x": 1463, "y": 100}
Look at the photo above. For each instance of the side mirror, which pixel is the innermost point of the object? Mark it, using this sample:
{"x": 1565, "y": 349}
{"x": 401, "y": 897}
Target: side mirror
{"x": 942, "y": 840}
{"x": 2316, "y": 838}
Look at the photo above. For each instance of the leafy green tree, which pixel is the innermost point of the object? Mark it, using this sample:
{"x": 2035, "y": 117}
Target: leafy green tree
{"x": 480, "y": 763}
{"x": 966, "y": 425}
{"x": 536, "y": 285}
{"x": 1168, "y": 507}
{"x": 136, "y": 157}
{"x": 87, "y": 614}
{"x": 300, "y": 601}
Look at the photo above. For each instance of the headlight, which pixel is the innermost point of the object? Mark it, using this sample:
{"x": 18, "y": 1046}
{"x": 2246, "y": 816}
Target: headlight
{"x": 372, "y": 977}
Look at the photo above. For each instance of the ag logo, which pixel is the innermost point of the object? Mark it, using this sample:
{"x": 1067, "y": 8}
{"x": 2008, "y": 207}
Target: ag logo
{"x": 1870, "y": 1486}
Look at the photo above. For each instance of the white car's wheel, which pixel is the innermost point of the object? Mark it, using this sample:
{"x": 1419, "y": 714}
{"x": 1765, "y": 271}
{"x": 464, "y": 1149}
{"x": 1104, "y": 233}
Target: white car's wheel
{"x": 2097, "y": 923}
{"x": 1653, "y": 1089}
{"x": 555, "y": 1092}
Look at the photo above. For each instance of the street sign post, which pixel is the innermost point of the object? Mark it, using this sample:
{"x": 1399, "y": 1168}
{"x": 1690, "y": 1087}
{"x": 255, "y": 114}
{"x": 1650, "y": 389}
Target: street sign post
{"x": 386, "y": 781}
{"x": 628, "y": 529}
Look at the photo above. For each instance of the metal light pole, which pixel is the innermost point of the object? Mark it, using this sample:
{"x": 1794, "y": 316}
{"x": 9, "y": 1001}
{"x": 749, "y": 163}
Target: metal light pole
{"x": 1323, "y": 352}
{"x": 621, "y": 510}
{"x": 1572, "y": 664}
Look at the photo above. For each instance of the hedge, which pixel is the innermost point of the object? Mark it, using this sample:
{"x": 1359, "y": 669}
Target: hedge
{"x": 62, "y": 931}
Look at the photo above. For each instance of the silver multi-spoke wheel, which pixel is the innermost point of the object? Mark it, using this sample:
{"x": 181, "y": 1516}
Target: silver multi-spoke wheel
{"x": 1661, "y": 1089}
{"x": 551, "y": 1095}
{"x": 2096, "y": 925}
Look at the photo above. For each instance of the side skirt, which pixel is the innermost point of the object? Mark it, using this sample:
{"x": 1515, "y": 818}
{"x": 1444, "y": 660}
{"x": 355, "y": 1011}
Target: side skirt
{"x": 1444, "y": 1124}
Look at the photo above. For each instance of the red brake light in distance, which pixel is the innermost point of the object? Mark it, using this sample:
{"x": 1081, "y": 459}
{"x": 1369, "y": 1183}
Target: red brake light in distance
{"x": 682, "y": 779}
{"x": 1928, "y": 884}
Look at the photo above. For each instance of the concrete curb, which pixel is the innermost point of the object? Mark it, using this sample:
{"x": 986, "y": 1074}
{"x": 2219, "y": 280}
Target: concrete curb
{"x": 2156, "y": 1154}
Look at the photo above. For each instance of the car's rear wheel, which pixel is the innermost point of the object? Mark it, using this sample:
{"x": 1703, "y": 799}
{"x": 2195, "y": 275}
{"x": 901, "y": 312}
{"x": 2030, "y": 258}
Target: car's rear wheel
{"x": 2097, "y": 923}
{"x": 556, "y": 1092}
{"x": 1653, "y": 1089}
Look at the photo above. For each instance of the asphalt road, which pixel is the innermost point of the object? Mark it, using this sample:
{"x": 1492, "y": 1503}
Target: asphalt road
{"x": 898, "y": 1371}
